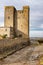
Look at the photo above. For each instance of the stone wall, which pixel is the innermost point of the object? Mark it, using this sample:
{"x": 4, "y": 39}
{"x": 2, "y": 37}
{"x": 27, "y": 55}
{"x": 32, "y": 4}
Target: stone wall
{"x": 23, "y": 22}
{"x": 7, "y": 46}
{"x": 5, "y": 30}
{"x": 9, "y": 16}
{"x": 18, "y": 20}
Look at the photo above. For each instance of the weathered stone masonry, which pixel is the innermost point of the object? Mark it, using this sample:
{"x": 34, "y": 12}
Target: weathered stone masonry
{"x": 17, "y": 21}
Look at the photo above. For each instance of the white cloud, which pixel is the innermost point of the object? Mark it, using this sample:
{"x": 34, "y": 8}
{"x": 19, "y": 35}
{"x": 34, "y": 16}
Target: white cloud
{"x": 36, "y": 14}
{"x": 41, "y": 26}
{"x": 37, "y": 2}
{"x": 30, "y": 25}
{"x": 36, "y": 33}
{"x": 34, "y": 4}
{"x": 1, "y": 14}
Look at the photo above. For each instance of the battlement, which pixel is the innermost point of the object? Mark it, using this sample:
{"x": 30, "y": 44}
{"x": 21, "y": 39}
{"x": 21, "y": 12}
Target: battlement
{"x": 19, "y": 11}
{"x": 9, "y": 7}
{"x": 26, "y": 7}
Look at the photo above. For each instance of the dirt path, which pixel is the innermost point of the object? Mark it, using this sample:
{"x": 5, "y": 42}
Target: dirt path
{"x": 28, "y": 54}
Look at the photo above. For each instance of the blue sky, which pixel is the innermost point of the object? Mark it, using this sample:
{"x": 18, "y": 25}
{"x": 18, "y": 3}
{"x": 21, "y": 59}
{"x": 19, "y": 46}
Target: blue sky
{"x": 36, "y": 14}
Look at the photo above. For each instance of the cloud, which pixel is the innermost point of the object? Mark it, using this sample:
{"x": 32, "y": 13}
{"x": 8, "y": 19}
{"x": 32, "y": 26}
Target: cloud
{"x": 16, "y": 3}
{"x": 1, "y": 21}
{"x": 41, "y": 26}
{"x": 1, "y": 14}
{"x": 36, "y": 33}
{"x": 36, "y": 12}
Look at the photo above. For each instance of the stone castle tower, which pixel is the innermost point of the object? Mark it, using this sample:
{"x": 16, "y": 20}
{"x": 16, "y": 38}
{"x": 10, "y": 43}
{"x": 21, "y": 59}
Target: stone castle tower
{"x": 9, "y": 19}
{"x": 17, "y": 20}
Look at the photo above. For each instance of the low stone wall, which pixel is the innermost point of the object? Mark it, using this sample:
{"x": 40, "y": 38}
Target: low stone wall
{"x": 25, "y": 63}
{"x": 8, "y": 46}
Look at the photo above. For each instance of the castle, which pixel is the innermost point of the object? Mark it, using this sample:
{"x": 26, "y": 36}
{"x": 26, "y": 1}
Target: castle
{"x": 16, "y": 22}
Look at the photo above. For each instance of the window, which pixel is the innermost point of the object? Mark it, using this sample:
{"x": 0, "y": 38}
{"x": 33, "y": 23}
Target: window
{"x": 22, "y": 11}
{"x": 5, "y": 29}
{"x": 8, "y": 17}
{"x": 20, "y": 35}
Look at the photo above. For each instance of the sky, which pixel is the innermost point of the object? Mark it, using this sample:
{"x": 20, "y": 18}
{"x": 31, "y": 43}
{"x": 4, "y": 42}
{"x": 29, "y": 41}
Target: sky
{"x": 36, "y": 14}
